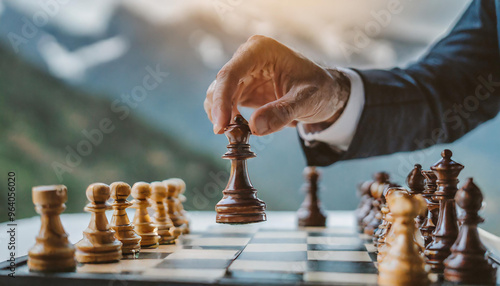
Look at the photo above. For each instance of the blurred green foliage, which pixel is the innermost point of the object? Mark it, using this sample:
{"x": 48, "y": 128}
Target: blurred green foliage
{"x": 40, "y": 117}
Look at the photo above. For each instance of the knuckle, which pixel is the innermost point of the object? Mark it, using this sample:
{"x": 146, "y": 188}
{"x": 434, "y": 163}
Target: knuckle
{"x": 284, "y": 111}
{"x": 224, "y": 72}
{"x": 259, "y": 40}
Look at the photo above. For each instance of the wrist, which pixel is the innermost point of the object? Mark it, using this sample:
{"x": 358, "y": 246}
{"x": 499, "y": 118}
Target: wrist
{"x": 341, "y": 93}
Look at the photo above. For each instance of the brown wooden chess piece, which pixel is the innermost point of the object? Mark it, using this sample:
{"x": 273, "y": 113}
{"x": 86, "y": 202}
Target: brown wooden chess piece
{"x": 310, "y": 213}
{"x": 468, "y": 263}
{"x": 98, "y": 244}
{"x": 124, "y": 230}
{"x": 143, "y": 226}
{"x": 446, "y": 231}
{"x": 52, "y": 251}
{"x": 240, "y": 203}
{"x": 365, "y": 204}
{"x": 373, "y": 219}
{"x": 385, "y": 225}
{"x": 415, "y": 182}
{"x": 403, "y": 264}
{"x": 173, "y": 210}
{"x": 161, "y": 218}
{"x": 430, "y": 221}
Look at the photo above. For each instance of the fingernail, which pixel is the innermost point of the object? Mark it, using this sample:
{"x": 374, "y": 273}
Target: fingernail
{"x": 217, "y": 128}
{"x": 261, "y": 126}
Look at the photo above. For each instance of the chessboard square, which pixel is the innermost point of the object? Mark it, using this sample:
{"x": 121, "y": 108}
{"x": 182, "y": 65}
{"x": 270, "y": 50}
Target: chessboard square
{"x": 330, "y": 234}
{"x": 370, "y": 247}
{"x": 341, "y": 266}
{"x": 99, "y": 268}
{"x": 327, "y": 247}
{"x": 194, "y": 263}
{"x": 279, "y": 240}
{"x": 186, "y": 274}
{"x": 333, "y": 240}
{"x": 191, "y": 235}
{"x": 339, "y": 256}
{"x": 285, "y": 247}
{"x": 138, "y": 265}
{"x": 238, "y": 277}
{"x": 281, "y": 234}
{"x": 219, "y": 247}
{"x": 165, "y": 248}
{"x": 366, "y": 237}
{"x": 233, "y": 229}
{"x": 341, "y": 278}
{"x": 203, "y": 254}
{"x": 334, "y": 230}
{"x": 273, "y": 256}
{"x": 120, "y": 267}
{"x": 228, "y": 234}
{"x": 216, "y": 241}
{"x": 150, "y": 255}
{"x": 269, "y": 266}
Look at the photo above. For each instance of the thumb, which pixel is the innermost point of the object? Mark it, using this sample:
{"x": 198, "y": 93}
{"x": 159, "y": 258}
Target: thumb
{"x": 273, "y": 116}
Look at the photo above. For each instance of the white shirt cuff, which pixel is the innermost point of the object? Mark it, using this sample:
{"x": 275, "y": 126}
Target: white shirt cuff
{"x": 340, "y": 134}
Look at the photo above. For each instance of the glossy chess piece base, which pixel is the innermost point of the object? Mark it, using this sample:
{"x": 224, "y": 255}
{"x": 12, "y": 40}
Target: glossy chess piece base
{"x": 239, "y": 204}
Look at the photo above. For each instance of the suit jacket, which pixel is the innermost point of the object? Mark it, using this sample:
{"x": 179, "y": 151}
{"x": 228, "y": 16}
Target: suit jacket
{"x": 450, "y": 91}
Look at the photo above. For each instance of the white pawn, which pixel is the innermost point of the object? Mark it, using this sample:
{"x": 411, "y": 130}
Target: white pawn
{"x": 403, "y": 264}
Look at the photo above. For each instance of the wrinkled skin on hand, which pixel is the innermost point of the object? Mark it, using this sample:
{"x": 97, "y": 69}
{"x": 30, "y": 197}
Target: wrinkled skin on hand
{"x": 281, "y": 85}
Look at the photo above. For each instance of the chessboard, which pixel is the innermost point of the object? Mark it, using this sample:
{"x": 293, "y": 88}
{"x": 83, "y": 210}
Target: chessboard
{"x": 232, "y": 255}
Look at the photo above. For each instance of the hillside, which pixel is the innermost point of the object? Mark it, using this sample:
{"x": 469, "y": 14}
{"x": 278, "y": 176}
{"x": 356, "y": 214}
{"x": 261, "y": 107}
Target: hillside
{"x": 42, "y": 119}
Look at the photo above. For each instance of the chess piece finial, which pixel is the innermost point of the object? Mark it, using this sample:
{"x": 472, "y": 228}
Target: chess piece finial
{"x": 310, "y": 213}
{"x": 403, "y": 264}
{"x": 468, "y": 263}
{"x": 239, "y": 204}
{"x": 161, "y": 218}
{"x": 415, "y": 180}
{"x": 52, "y": 251}
{"x": 430, "y": 221}
{"x": 143, "y": 225}
{"x": 98, "y": 244}
{"x": 120, "y": 223}
{"x": 446, "y": 231}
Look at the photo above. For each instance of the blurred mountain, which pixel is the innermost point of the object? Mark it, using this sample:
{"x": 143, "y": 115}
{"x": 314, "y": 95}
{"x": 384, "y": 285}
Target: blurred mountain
{"x": 191, "y": 40}
{"x": 45, "y": 127}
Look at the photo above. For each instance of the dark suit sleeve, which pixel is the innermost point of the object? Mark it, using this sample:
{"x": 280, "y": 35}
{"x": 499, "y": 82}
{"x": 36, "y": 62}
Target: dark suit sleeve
{"x": 446, "y": 94}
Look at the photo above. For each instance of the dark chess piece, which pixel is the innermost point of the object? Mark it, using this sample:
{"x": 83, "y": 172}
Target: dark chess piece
{"x": 371, "y": 221}
{"x": 99, "y": 244}
{"x": 446, "y": 231}
{"x": 310, "y": 213}
{"x": 52, "y": 251}
{"x": 383, "y": 228}
{"x": 120, "y": 223}
{"x": 415, "y": 181}
{"x": 468, "y": 263}
{"x": 365, "y": 203}
{"x": 239, "y": 204}
{"x": 430, "y": 220}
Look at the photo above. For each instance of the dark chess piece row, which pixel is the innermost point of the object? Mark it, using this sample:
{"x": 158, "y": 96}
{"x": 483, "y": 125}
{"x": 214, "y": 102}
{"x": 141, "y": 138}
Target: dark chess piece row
{"x": 103, "y": 241}
{"x": 452, "y": 251}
